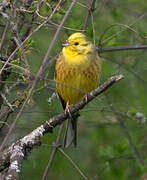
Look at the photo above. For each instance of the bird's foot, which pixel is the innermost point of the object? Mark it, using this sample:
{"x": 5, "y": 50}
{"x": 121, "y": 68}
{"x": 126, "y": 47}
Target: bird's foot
{"x": 86, "y": 97}
{"x": 67, "y": 110}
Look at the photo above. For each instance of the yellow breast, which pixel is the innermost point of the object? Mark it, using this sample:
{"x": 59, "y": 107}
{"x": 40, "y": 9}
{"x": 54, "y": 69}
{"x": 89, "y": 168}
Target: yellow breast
{"x": 77, "y": 77}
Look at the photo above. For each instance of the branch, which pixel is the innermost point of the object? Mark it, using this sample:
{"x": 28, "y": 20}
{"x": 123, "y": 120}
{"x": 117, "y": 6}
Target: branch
{"x": 110, "y": 49}
{"x": 130, "y": 25}
{"x": 90, "y": 11}
{"x": 74, "y": 164}
{"x": 15, "y": 154}
{"x": 53, "y": 153}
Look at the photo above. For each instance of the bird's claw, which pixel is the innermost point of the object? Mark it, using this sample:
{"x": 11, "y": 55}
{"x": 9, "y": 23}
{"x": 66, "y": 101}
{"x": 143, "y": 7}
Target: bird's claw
{"x": 67, "y": 109}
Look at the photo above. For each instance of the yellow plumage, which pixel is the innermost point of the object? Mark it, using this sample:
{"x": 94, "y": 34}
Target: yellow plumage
{"x": 77, "y": 69}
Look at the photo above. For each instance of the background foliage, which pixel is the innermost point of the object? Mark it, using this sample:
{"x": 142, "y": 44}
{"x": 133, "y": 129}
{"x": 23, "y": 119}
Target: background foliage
{"x": 103, "y": 150}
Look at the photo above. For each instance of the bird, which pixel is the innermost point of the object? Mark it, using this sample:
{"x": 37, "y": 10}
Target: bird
{"x": 77, "y": 73}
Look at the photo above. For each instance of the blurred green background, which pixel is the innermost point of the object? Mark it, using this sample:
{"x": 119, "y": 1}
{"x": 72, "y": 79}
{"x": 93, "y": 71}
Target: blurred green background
{"x": 103, "y": 150}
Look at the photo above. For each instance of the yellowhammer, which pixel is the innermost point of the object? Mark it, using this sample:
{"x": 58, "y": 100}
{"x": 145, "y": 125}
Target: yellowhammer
{"x": 77, "y": 72}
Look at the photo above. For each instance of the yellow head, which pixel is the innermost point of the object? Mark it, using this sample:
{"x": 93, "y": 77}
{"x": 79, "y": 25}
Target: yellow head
{"x": 77, "y": 44}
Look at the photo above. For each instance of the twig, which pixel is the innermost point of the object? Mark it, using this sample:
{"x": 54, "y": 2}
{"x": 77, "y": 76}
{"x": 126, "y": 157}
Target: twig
{"x": 64, "y": 27}
{"x": 82, "y": 5}
{"x": 123, "y": 48}
{"x": 115, "y": 25}
{"x": 18, "y": 67}
{"x": 117, "y": 33}
{"x": 7, "y": 102}
{"x": 134, "y": 73}
{"x": 4, "y": 34}
{"x": 53, "y": 153}
{"x": 50, "y": 99}
{"x": 9, "y": 110}
{"x": 93, "y": 29}
{"x": 91, "y": 9}
{"x": 74, "y": 164}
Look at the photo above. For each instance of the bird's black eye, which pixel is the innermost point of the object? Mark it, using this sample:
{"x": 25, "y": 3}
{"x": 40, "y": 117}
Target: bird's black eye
{"x": 76, "y": 43}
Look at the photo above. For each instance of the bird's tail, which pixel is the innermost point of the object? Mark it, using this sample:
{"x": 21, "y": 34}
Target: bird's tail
{"x": 71, "y": 131}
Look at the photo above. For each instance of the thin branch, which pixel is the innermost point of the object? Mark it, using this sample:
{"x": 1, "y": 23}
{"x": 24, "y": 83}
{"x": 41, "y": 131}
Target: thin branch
{"x": 18, "y": 67}
{"x": 123, "y": 48}
{"x": 53, "y": 153}
{"x": 4, "y": 35}
{"x": 130, "y": 70}
{"x": 115, "y": 25}
{"x": 90, "y": 11}
{"x": 82, "y": 5}
{"x": 5, "y": 114}
{"x": 74, "y": 164}
{"x": 93, "y": 29}
{"x": 64, "y": 27}
{"x": 117, "y": 33}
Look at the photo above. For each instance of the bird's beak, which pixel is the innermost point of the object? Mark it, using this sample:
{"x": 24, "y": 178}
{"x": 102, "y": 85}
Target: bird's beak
{"x": 66, "y": 44}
